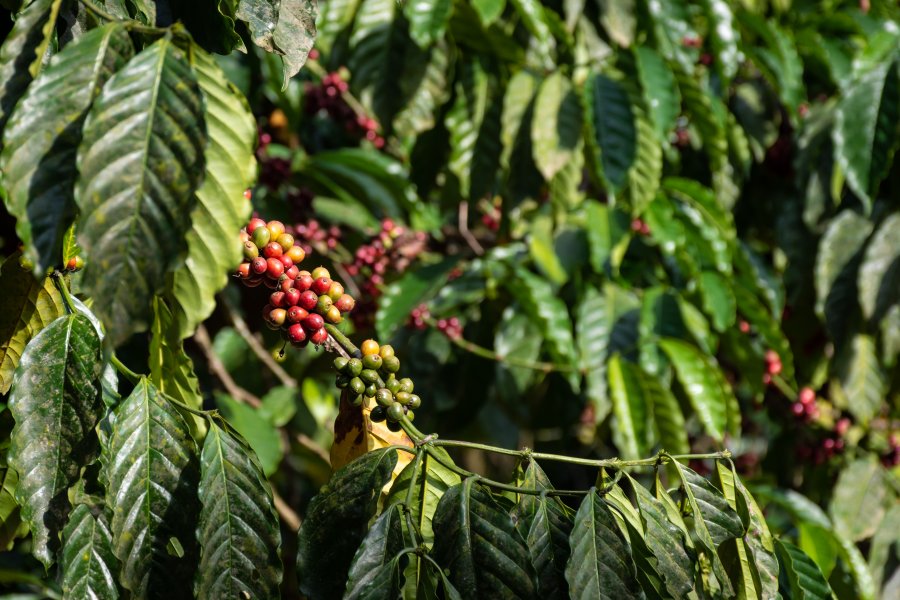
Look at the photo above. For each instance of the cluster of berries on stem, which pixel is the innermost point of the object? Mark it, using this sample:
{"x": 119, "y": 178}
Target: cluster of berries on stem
{"x": 805, "y": 408}
{"x": 773, "y": 366}
{"x": 328, "y": 98}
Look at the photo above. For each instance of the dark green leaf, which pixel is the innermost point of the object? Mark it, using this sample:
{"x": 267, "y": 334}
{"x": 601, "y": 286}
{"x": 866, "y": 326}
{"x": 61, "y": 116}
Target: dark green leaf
{"x": 294, "y": 34}
{"x": 27, "y": 305}
{"x": 718, "y": 299}
{"x": 87, "y": 562}
{"x": 255, "y": 429}
{"x": 425, "y": 90}
{"x": 238, "y": 528}
{"x": 556, "y": 128}
{"x": 525, "y": 511}
{"x": 430, "y": 480}
{"x": 761, "y": 544}
{"x": 660, "y": 90}
{"x": 40, "y": 141}
{"x": 427, "y": 20}
{"x": 345, "y": 505}
{"x": 56, "y": 403}
{"x": 596, "y": 568}
{"x": 373, "y": 560}
{"x": 647, "y": 169}
{"x": 23, "y": 50}
{"x": 261, "y": 17}
{"x": 767, "y": 326}
{"x": 804, "y": 577}
{"x": 837, "y": 264}
{"x": 879, "y": 273}
{"x": 517, "y": 337}
{"x": 736, "y": 553}
{"x": 859, "y": 498}
{"x": 213, "y": 249}
{"x": 630, "y": 408}
{"x": 489, "y": 10}
{"x": 593, "y": 328}
{"x": 402, "y": 296}
{"x": 861, "y": 383}
{"x": 611, "y": 129}
{"x": 865, "y": 132}
{"x": 660, "y": 318}
{"x": 150, "y": 474}
{"x": 211, "y": 23}
{"x": 609, "y": 234}
{"x": 140, "y": 161}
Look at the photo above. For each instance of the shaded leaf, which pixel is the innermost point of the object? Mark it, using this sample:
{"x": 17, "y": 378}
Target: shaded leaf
{"x": 718, "y": 299}
{"x": 660, "y": 90}
{"x": 88, "y": 565}
{"x": 671, "y": 23}
{"x": 858, "y": 500}
{"x": 862, "y": 382}
{"x": 724, "y": 37}
{"x": 430, "y": 480}
{"x": 593, "y": 327}
{"x": 294, "y": 34}
{"x": 42, "y": 137}
{"x": 804, "y": 577}
{"x": 611, "y": 129}
{"x": 403, "y": 295}
{"x": 259, "y": 433}
{"x": 609, "y": 234}
{"x": 133, "y": 194}
{"x": 879, "y": 273}
{"x": 548, "y": 545}
{"x": 427, "y": 20}
{"x": 374, "y": 560}
{"x": 56, "y": 403}
{"x": 238, "y": 528}
{"x": 630, "y": 408}
{"x": 517, "y": 337}
{"x": 556, "y": 127}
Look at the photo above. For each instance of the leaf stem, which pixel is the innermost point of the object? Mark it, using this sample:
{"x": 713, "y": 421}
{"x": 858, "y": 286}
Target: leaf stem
{"x": 121, "y": 368}
{"x": 64, "y": 290}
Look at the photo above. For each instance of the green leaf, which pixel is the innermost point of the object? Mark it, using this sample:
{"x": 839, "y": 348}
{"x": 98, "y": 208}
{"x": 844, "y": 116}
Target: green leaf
{"x": 27, "y": 305}
{"x": 667, "y": 542}
{"x": 427, "y": 20}
{"x": 238, "y": 528}
{"x": 609, "y": 234}
{"x": 525, "y": 511}
{"x": 535, "y": 21}
{"x": 723, "y": 35}
{"x": 671, "y": 24}
{"x": 517, "y": 337}
{"x": 865, "y": 133}
{"x": 488, "y": 10}
{"x": 862, "y": 383}
{"x": 150, "y": 474}
{"x": 660, "y": 317}
{"x": 593, "y": 327}
{"x": 22, "y": 52}
{"x": 133, "y": 193}
{"x": 660, "y": 90}
{"x": 403, "y": 295}
{"x": 430, "y": 480}
{"x": 213, "y": 248}
{"x": 767, "y": 326}
{"x": 879, "y": 274}
{"x": 596, "y": 568}
{"x": 859, "y": 499}
{"x": 41, "y": 138}
{"x": 611, "y": 129}
{"x": 55, "y": 401}
{"x": 253, "y": 427}
{"x": 804, "y": 577}
{"x": 87, "y": 562}
{"x": 837, "y": 263}
{"x": 542, "y": 250}
{"x": 374, "y": 560}
{"x": 761, "y": 545}
{"x": 211, "y": 23}
{"x": 475, "y": 537}
{"x": 630, "y": 408}
{"x": 556, "y": 128}
{"x": 261, "y": 17}
{"x": 645, "y": 173}
{"x": 704, "y": 384}
{"x": 425, "y": 90}
{"x": 743, "y": 567}
{"x": 548, "y": 544}
{"x": 718, "y": 299}
{"x": 279, "y": 405}
{"x": 346, "y": 505}
{"x": 294, "y": 35}
{"x": 11, "y": 525}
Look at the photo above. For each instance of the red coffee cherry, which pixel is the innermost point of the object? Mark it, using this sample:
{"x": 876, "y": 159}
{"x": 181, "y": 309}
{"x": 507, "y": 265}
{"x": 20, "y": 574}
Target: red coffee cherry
{"x": 308, "y": 300}
{"x": 277, "y": 316}
{"x": 321, "y": 285}
{"x": 303, "y": 281}
{"x": 313, "y": 322}
{"x": 291, "y": 297}
{"x": 243, "y": 270}
{"x": 292, "y": 272}
{"x": 345, "y": 303}
{"x": 276, "y": 299}
{"x": 274, "y": 268}
{"x": 295, "y": 314}
{"x": 318, "y": 337}
{"x": 286, "y": 283}
{"x": 272, "y": 250}
{"x": 254, "y": 224}
{"x": 286, "y": 261}
{"x": 296, "y": 334}
{"x": 259, "y": 265}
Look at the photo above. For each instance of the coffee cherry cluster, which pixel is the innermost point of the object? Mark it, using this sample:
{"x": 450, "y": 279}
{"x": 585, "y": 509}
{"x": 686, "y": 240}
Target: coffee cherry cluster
{"x": 327, "y": 99}
{"x": 375, "y": 376}
{"x": 302, "y": 301}
{"x": 805, "y": 408}
{"x": 773, "y": 366}
{"x": 892, "y": 457}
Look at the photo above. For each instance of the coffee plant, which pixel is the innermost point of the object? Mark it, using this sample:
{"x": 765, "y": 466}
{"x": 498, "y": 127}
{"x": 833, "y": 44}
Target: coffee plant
{"x": 654, "y": 245}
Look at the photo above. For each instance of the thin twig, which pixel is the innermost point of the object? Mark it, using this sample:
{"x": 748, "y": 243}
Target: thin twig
{"x": 463, "y": 224}
{"x": 287, "y": 514}
{"x": 240, "y": 325}
{"x": 218, "y": 369}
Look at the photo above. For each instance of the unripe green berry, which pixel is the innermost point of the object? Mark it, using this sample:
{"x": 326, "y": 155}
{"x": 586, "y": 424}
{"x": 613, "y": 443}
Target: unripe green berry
{"x": 369, "y": 376}
{"x": 384, "y": 397}
{"x": 410, "y": 415}
{"x": 414, "y": 402}
{"x": 386, "y": 351}
{"x": 357, "y": 400}
{"x": 403, "y": 397}
{"x": 261, "y": 236}
{"x": 372, "y": 361}
{"x": 391, "y": 364}
{"x": 354, "y": 367}
{"x": 392, "y": 384}
{"x": 323, "y": 304}
{"x": 250, "y": 250}
{"x": 371, "y": 390}
{"x": 320, "y": 272}
{"x": 340, "y": 363}
{"x": 335, "y": 291}
{"x": 406, "y": 385}
{"x": 357, "y": 386}
{"x": 395, "y": 412}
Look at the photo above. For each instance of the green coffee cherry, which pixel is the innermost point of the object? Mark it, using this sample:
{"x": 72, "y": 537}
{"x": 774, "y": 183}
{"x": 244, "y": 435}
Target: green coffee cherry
{"x": 395, "y": 412}
{"x": 355, "y": 367}
{"x": 406, "y": 385}
{"x": 403, "y": 397}
{"x": 384, "y": 397}
{"x": 414, "y": 402}
{"x": 391, "y": 364}
{"x": 340, "y": 363}
{"x": 372, "y": 361}
{"x": 392, "y": 384}
{"x": 386, "y": 351}
{"x": 371, "y": 390}
{"x": 261, "y": 237}
{"x": 410, "y": 414}
{"x": 357, "y": 386}
{"x": 357, "y": 400}
{"x": 369, "y": 376}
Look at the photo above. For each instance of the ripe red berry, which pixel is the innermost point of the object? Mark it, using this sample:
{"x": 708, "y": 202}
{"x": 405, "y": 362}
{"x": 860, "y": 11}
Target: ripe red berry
{"x": 292, "y": 272}
{"x": 321, "y": 285}
{"x": 806, "y": 395}
{"x": 775, "y": 367}
{"x": 308, "y": 300}
{"x": 771, "y": 356}
{"x": 313, "y": 322}
{"x": 259, "y": 265}
{"x": 744, "y": 326}
{"x": 296, "y": 334}
{"x": 345, "y": 303}
{"x": 295, "y": 314}
{"x": 286, "y": 283}
{"x": 254, "y": 224}
{"x": 303, "y": 281}
{"x": 274, "y": 268}
{"x": 318, "y": 337}
{"x": 291, "y": 297}
{"x": 276, "y": 299}
{"x": 798, "y": 409}
{"x": 272, "y": 250}
{"x": 247, "y": 194}
{"x": 243, "y": 270}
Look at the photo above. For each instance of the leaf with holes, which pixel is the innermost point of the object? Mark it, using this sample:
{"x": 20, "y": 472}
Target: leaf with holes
{"x": 213, "y": 248}
{"x": 804, "y": 578}
{"x": 595, "y": 569}
{"x": 238, "y": 527}
{"x": 430, "y": 480}
{"x": 55, "y": 401}
{"x": 556, "y": 128}
{"x": 345, "y": 504}
{"x": 88, "y": 565}
{"x": 478, "y": 539}
{"x": 22, "y": 52}
{"x": 150, "y": 474}
{"x": 879, "y": 274}
{"x": 611, "y": 129}
{"x": 294, "y": 35}
{"x": 42, "y": 137}
{"x": 139, "y": 162}
{"x": 27, "y": 305}
{"x": 374, "y": 560}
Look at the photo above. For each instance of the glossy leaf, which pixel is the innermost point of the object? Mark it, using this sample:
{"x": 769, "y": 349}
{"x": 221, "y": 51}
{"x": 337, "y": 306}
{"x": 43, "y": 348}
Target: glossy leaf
{"x": 879, "y": 273}
{"x": 213, "y": 248}
{"x": 150, "y": 473}
{"x": 611, "y": 129}
{"x": 346, "y": 504}
{"x": 89, "y": 567}
{"x": 862, "y": 382}
{"x": 718, "y": 299}
{"x": 431, "y": 81}
{"x": 556, "y": 128}
{"x": 55, "y": 401}
{"x": 548, "y": 544}
{"x": 294, "y": 34}
{"x": 671, "y": 24}
{"x": 660, "y": 90}
{"x": 430, "y": 480}
{"x": 238, "y": 528}
{"x": 427, "y": 20}
{"x": 375, "y": 556}
{"x": 133, "y": 196}
{"x": 723, "y": 35}
{"x": 761, "y": 544}
{"x": 27, "y": 305}
{"x": 703, "y": 383}
{"x": 743, "y": 567}
{"x": 595, "y": 568}
{"x": 22, "y": 52}
{"x": 804, "y": 577}
{"x": 478, "y": 539}
{"x": 630, "y": 408}
{"x": 837, "y": 262}
{"x": 42, "y": 137}
{"x": 528, "y": 505}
